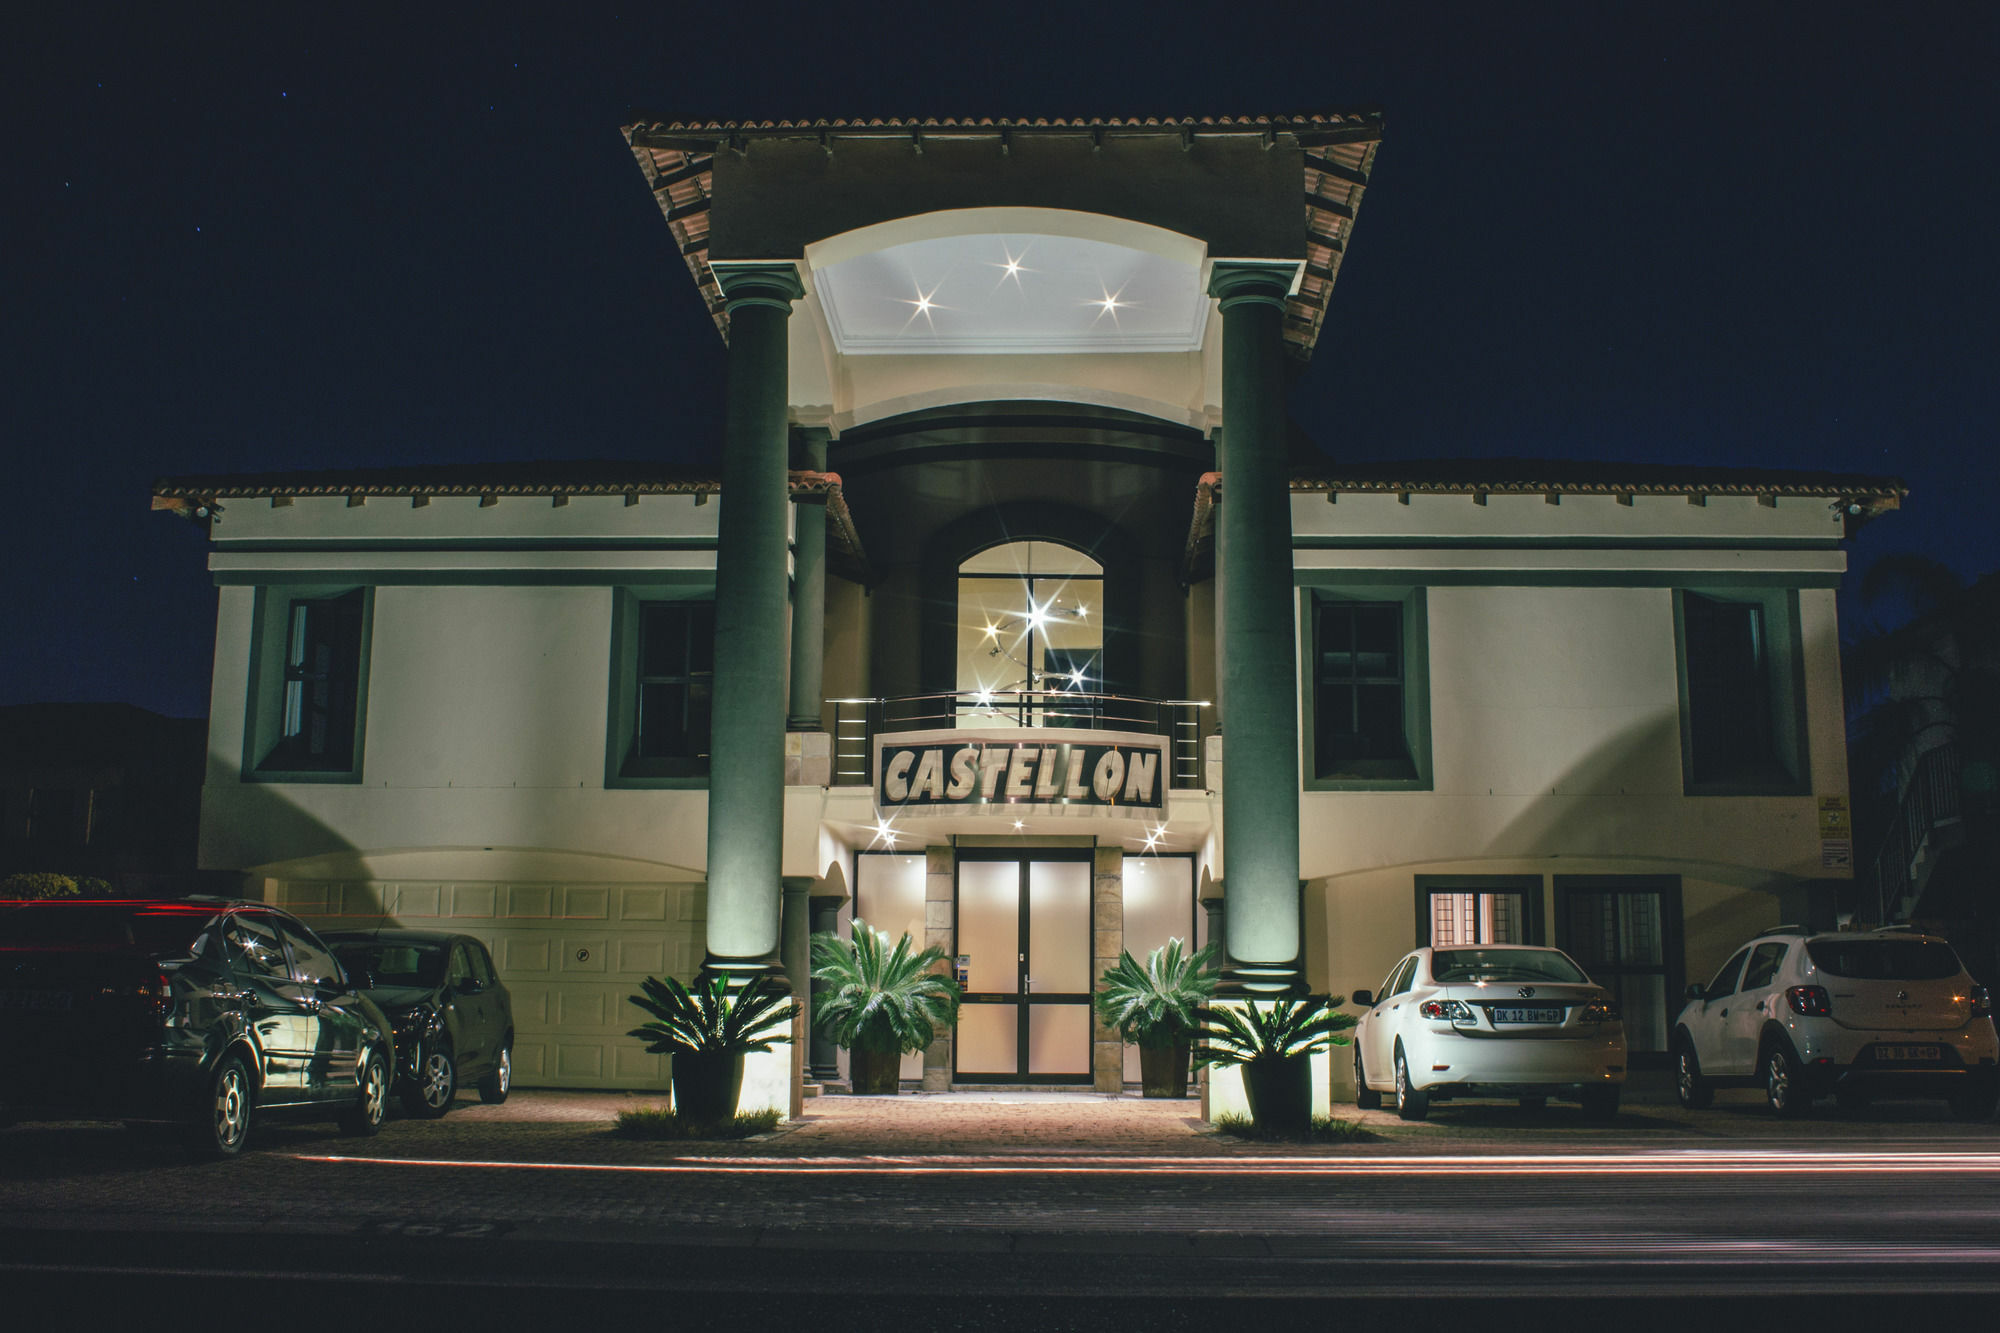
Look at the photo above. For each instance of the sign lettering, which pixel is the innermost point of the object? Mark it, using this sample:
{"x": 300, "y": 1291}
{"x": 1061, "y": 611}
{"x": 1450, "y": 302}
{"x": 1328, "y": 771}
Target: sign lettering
{"x": 959, "y": 773}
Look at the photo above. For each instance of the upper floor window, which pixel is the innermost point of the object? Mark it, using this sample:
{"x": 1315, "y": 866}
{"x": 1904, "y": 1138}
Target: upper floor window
{"x": 1741, "y": 729}
{"x": 662, "y": 689}
{"x": 1369, "y": 714}
{"x": 676, "y": 680}
{"x": 309, "y": 684}
{"x": 1030, "y": 619}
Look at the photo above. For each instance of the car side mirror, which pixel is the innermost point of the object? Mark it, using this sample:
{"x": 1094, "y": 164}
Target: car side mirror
{"x": 1364, "y": 998}
{"x": 1696, "y": 991}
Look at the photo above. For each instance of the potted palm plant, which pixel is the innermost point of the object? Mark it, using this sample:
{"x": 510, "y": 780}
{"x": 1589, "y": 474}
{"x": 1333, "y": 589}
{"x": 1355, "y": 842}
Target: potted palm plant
{"x": 881, "y": 1003}
{"x": 1273, "y": 1047}
{"x": 1158, "y": 1008}
{"x": 707, "y": 1031}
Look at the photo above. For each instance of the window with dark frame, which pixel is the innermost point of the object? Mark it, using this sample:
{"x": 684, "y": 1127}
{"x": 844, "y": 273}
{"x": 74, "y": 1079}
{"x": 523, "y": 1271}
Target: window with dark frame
{"x": 1728, "y": 690}
{"x": 676, "y": 678}
{"x": 1359, "y": 727}
{"x": 322, "y": 685}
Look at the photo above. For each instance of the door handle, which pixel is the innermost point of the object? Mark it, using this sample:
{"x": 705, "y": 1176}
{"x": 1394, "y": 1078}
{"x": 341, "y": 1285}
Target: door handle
{"x": 1027, "y": 985}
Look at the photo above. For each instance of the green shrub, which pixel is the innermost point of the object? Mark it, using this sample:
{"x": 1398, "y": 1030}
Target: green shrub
{"x": 1158, "y": 1004}
{"x": 52, "y": 884}
{"x": 657, "y": 1122}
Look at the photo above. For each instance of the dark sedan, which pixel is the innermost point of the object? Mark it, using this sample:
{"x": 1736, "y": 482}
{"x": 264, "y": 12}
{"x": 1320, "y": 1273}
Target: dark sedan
{"x": 453, "y": 1018}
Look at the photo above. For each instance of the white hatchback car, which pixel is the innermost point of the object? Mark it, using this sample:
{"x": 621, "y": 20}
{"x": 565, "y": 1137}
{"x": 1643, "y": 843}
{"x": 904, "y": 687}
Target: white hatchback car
{"x": 1859, "y": 1015}
{"x": 1489, "y": 1020}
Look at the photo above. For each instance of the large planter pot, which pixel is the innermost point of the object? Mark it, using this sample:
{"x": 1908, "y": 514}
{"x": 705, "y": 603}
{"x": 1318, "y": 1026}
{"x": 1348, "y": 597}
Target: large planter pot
{"x": 1280, "y": 1093}
{"x": 706, "y": 1084}
{"x": 874, "y": 1073}
{"x": 1163, "y": 1069}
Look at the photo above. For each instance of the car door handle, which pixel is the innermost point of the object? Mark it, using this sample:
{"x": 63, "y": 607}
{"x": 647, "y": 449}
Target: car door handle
{"x": 1724, "y": 1014}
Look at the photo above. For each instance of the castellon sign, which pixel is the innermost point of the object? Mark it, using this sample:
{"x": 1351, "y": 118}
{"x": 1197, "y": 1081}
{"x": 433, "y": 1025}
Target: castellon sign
{"x": 968, "y": 772}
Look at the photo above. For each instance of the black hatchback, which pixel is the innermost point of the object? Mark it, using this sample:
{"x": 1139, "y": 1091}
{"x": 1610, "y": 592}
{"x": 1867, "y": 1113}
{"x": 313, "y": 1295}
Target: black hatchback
{"x": 453, "y": 1019}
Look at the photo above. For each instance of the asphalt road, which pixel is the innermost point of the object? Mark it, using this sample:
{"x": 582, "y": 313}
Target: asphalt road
{"x": 1857, "y": 1222}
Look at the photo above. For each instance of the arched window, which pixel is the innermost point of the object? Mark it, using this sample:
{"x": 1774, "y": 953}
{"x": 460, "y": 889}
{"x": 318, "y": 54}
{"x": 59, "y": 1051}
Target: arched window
{"x": 1030, "y": 620}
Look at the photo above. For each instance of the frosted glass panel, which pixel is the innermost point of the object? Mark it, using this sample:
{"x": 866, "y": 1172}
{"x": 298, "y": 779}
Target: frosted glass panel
{"x": 1059, "y": 927}
{"x": 1058, "y": 1039}
{"x": 889, "y": 895}
{"x": 1159, "y": 903}
{"x": 988, "y": 1039}
{"x": 989, "y": 925}
{"x": 1159, "y": 906}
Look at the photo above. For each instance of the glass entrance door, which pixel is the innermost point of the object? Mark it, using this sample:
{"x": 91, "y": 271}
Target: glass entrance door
{"x": 1024, "y": 937}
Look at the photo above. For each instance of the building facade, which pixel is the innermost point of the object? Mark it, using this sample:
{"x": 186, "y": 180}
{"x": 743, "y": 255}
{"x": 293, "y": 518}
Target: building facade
{"x": 1016, "y": 615}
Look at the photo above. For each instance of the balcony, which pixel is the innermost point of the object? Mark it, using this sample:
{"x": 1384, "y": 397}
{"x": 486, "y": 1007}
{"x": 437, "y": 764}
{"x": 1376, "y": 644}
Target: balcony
{"x": 857, "y": 722}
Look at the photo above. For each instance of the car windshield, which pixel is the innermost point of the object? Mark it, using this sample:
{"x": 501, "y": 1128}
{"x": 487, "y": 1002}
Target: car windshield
{"x": 161, "y": 930}
{"x": 1453, "y": 965}
{"x": 1884, "y": 960}
{"x": 393, "y": 963}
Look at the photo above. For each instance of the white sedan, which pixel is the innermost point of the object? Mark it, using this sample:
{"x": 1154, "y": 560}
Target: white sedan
{"x": 1489, "y": 1020}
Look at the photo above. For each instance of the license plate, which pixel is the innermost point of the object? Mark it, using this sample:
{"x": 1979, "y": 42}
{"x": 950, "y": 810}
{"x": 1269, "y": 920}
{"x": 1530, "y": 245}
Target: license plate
{"x": 1920, "y": 1055}
{"x": 1527, "y": 1015}
{"x": 48, "y": 1001}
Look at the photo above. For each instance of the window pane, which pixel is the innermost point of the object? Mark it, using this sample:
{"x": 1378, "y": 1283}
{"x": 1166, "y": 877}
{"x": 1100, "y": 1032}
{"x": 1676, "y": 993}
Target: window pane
{"x": 1379, "y": 722}
{"x": 1378, "y": 637}
{"x": 322, "y": 683}
{"x": 663, "y": 722}
{"x": 701, "y": 638}
{"x": 1729, "y": 710}
{"x": 663, "y": 641}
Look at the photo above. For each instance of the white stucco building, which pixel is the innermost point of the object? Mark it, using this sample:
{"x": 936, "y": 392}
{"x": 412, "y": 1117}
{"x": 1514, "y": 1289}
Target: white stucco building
{"x": 990, "y": 663}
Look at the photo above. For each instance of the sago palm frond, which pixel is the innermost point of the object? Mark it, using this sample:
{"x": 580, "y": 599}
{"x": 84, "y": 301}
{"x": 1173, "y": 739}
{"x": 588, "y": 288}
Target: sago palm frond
{"x": 1161, "y": 1002}
{"x": 1285, "y": 1027}
{"x": 881, "y": 998}
{"x": 706, "y": 1018}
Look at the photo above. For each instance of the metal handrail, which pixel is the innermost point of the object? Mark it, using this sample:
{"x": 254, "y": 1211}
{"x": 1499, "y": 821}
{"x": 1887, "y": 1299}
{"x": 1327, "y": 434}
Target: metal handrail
{"x": 1930, "y": 800}
{"x": 857, "y": 722}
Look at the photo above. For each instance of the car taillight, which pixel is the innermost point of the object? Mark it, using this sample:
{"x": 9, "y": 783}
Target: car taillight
{"x": 157, "y": 993}
{"x": 1453, "y": 1011}
{"x": 1811, "y": 1001}
{"x": 1603, "y": 1009}
{"x": 1982, "y": 1002}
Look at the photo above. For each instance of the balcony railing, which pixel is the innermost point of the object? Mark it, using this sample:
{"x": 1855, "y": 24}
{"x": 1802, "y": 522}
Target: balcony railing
{"x": 857, "y": 722}
{"x": 1929, "y": 802}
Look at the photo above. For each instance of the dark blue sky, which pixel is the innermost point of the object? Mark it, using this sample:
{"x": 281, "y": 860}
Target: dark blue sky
{"x": 337, "y": 236}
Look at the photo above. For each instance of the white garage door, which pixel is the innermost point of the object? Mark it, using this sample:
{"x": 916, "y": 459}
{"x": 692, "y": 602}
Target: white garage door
{"x": 570, "y": 954}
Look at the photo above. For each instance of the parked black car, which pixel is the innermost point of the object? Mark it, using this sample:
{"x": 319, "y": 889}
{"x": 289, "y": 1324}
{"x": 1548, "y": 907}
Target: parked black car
{"x": 453, "y": 1019}
{"x": 196, "y": 1013}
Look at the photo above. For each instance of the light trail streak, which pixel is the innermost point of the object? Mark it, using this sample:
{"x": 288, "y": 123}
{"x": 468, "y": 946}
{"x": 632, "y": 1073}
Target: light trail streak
{"x": 1686, "y": 1163}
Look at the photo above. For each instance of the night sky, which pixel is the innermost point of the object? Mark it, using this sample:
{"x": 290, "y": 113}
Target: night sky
{"x": 327, "y": 236}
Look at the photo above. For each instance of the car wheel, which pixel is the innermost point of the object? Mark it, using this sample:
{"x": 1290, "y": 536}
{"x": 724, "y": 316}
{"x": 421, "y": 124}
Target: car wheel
{"x": 1365, "y": 1097}
{"x": 1412, "y": 1103}
{"x": 1695, "y": 1092}
{"x": 1599, "y": 1103}
{"x": 1852, "y": 1099}
{"x": 493, "y": 1088}
{"x": 1782, "y": 1087}
{"x": 429, "y": 1095}
{"x": 1977, "y": 1102}
{"x": 1534, "y": 1103}
{"x": 371, "y": 1099}
{"x": 224, "y": 1126}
